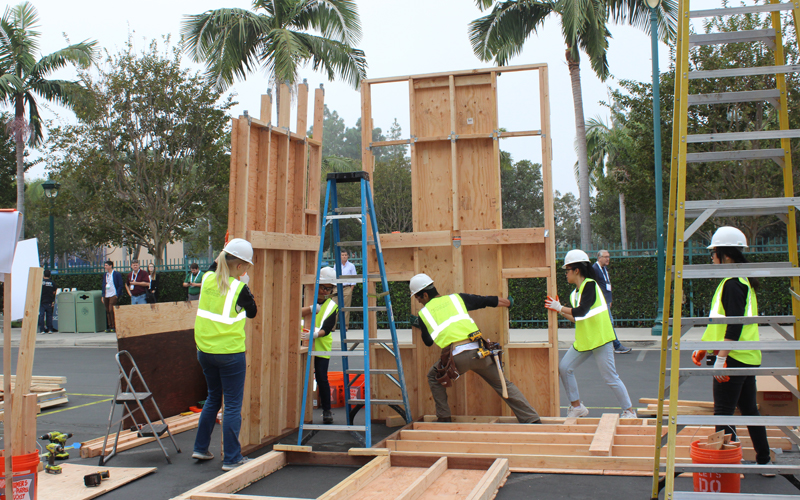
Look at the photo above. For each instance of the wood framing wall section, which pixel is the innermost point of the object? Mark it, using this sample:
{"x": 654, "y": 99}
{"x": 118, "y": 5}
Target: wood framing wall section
{"x": 274, "y": 204}
{"x": 458, "y": 236}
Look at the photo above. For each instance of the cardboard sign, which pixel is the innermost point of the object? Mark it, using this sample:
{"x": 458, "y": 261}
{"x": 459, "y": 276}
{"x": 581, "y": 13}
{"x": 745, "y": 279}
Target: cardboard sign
{"x": 26, "y": 257}
{"x": 10, "y": 227}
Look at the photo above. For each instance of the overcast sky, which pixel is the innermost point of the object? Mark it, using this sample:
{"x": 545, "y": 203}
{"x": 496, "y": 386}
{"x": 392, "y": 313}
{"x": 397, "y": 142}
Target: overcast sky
{"x": 399, "y": 38}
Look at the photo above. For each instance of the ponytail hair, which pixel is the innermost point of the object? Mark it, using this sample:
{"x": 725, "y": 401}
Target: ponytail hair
{"x": 224, "y": 263}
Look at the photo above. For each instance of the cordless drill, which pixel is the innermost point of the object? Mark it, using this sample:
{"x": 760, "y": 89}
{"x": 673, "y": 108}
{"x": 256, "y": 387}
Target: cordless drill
{"x": 53, "y": 449}
{"x": 60, "y": 439}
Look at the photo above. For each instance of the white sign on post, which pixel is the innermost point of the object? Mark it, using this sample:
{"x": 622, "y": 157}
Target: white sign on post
{"x": 26, "y": 257}
{"x": 10, "y": 227}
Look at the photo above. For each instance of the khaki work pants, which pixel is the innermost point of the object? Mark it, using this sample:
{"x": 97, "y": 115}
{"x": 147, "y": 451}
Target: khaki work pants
{"x": 466, "y": 361}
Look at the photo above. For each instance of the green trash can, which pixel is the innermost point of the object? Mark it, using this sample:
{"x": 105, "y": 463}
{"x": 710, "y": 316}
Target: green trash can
{"x": 66, "y": 311}
{"x": 90, "y": 315}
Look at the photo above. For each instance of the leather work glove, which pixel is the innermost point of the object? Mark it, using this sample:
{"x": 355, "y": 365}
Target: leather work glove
{"x": 553, "y": 304}
{"x": 697, "y": 357}
{"x": 415, "y": 321}
{"x": 721, "y": 363}
{"x": 305, "y": 334}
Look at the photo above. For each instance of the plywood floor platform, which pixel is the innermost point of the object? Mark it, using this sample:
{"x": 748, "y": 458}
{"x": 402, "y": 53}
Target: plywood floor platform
{"x": 69, "y": 484}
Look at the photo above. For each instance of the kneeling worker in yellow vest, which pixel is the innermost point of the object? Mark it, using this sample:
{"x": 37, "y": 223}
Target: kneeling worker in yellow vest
{"x": 323, "y": 341}
{"x": 225, "y": 303}
{"x": 444, "y": 320}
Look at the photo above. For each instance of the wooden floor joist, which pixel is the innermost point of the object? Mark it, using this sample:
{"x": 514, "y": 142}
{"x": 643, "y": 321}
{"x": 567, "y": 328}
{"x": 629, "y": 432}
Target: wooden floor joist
{"x": 129, "y": 439}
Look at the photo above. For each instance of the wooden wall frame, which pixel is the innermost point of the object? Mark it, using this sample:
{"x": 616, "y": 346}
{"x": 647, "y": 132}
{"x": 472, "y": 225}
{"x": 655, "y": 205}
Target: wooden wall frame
{"x": 458, "y": 237}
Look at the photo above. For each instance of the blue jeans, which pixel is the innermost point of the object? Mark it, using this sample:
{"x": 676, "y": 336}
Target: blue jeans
{"x": 139, "y": 299}
{"x": 604, "y": 356}
{"x": 46, "y": 311}
{"x": 617, "y": 343}
{"x": 225, "y": 377}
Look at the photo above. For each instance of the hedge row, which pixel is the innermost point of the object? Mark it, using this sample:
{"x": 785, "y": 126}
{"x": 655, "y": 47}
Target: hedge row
{"x": 634, "y": 281}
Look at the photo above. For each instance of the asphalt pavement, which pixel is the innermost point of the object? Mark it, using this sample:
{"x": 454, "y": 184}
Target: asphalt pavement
{"x": 87, "y": 360}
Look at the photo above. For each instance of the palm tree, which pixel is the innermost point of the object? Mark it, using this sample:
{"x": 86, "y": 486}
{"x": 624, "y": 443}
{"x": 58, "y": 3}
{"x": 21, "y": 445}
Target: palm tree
{"x": 27, "y": 79}
{"x": 275, "y": 37}
{"x": 501, "y": 34}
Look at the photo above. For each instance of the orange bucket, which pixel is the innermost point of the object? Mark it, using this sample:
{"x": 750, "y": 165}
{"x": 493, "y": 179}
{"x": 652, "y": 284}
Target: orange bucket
{"x": 25, "y": 471}
{"x": 356, "y": 387}
{"x": 712, "y": 482}
{"x": 336, "y": 381}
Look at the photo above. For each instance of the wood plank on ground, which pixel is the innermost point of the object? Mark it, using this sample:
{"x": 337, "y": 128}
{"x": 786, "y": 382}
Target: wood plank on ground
{"x": 604, "y": 436}
{"x": 69, "y": 484}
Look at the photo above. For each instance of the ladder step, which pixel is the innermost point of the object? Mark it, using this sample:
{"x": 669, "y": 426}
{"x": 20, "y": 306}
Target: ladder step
{"x": 737, "y": 469}
{"x": 737, "y": 420}
{"x": 738, "y": 320}
{"x": 749, "y": 207}
{"x": 358, "y": 242}
{"x": 767, "y": 36}
{"x": 361, "y": 309}
{"x": 749, "y": 270}
{"x": 349, "y": 278}
{"x": 378, "y": 401}
{"x": 375, "y": 371}
{"x": 347, "y": 210}
{"x": 691, "y": 495}
{"x": 331, "y": 427}
{"x": 738, "y": 372}
{"x": 727, "y": 97}
{"x": 127, "y": 397}
{"x": 772, "y": 7}
{"x": 753, "y": 71}
{"x": 157, "y": 430}
{"x": 338, "y": 353}
{"x": 746, "y": 154}
{"x": 341, "y": 217}
{"x": 744, "y": 136}
{"x": 780, "y": 345}
{"x": 371, "y": 341}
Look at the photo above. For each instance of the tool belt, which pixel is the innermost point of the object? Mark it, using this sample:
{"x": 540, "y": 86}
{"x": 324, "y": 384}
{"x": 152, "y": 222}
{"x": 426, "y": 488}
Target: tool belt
{"x": 446, "y": 371}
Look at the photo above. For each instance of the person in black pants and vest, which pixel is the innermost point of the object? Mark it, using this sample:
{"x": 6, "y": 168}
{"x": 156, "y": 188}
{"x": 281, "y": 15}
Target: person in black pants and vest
{"x": 46, "y": 304}
{"x": 604, "y": 282}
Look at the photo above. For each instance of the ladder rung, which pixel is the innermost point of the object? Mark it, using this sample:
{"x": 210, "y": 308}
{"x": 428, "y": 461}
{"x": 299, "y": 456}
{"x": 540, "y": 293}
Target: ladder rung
{"x": 727, "y": 97}
{"x": 745, "y": 154}
{"x": 772, "y": 7}
{"x": 750, "y": 206}
{"x": 375, "y": 371}
{"x": 744, "y": 136}
{"x": 738, "y": 320}
{"x": 127, "y": 397}
{"x": 737, "y": 469}
{"x": 740, "y": 372}
{"x": 378, "y": 401}
{"x": 345, "y": 216}
{"x": 338, "y": 353}
{"x": 347, "y": 210}
{"x": 752, "y": 71}
{"x": 331, "y": 427}
{"x": 371, "y": 341}
{"x": 780, "y": 345}
{"x": 767, "y": 35}
{"x": 358, "y": 242}
{"x": 355, "y": 277}
{"x": 691, "y": 495}
{"x": 737, "y": 420}
{"x": 158, "y": 429}
{"x": 361, "y": 309}
{"x": 748, "y": 270}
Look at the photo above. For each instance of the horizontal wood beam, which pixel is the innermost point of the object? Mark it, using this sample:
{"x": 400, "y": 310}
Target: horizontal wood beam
{"x": 526, "y": 272}
{"x": 136, "y": 321}
{"x": 240, "y": 477}
{"x": 263, "y": 240}
{"x": 468, "y": 237}
{"x": 278, "y": 130}
{"x": 604, "y": 437}
{"x": 500, "y": 69}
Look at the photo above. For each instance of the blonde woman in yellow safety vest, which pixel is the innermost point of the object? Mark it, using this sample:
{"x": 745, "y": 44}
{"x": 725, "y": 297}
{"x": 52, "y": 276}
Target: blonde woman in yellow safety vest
{"x": 734, "y": 297}
{"x": 594, "y": 335}
{"x": 323, "y": 341}
{"x": 225, "y": 302}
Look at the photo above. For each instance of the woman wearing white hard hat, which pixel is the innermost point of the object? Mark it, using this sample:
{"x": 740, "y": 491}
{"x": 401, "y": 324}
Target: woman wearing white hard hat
{"x": 323, "y": 341}
{"x": 225, "y": 302}
{"x": 734, "y": 297}
{"x": 594, "y": 335}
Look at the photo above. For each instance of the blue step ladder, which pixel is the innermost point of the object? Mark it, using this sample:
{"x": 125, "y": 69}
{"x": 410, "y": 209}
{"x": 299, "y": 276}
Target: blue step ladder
{"x": 351, "y": 348}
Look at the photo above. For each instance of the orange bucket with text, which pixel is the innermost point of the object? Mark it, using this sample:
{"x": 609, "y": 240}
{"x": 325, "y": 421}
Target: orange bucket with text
{"x": 713, "y": 482}
{"x": 25, "y": 471}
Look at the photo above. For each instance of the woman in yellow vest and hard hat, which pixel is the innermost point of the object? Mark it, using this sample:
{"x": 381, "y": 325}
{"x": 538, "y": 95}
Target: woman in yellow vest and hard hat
{"x": 594, "y": 335}
{"x": 734, "y": 297}
{"x": 323, "y": 341}
{"x": 225, "y": 302}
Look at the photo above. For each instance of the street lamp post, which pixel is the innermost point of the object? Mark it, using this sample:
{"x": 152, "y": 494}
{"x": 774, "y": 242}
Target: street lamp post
{"x": 51, "y": 191}
{"x": 661, "y": 252}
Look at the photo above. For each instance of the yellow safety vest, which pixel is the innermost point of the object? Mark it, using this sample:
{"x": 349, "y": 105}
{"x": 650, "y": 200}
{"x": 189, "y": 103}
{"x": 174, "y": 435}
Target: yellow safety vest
{"x": 716, "y": 332}
{"x": 447, "y": 319}
{"x": 218, "y": 327}
{"x": 595, "y": 328}
{"x": 324, "y": 343}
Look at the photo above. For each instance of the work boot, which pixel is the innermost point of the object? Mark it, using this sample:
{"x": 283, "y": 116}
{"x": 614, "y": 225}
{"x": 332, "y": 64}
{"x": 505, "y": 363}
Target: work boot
{"x": 327, "y": 417}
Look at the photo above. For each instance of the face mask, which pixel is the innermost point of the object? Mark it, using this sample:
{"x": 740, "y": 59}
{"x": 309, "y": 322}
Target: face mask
{"x": 244, "y": 278}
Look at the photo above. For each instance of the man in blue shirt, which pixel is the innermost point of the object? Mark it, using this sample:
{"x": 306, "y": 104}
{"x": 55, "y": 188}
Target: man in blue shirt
{"x": 604, "y": 282}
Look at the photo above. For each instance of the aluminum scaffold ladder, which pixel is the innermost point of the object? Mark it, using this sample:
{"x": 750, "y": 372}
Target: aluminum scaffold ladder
{"x": 356, "y": 348}
{"x": 733, "y": 148}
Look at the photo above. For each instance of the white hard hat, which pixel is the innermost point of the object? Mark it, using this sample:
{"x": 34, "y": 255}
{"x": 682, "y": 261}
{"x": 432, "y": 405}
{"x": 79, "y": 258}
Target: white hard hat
{"x": 574, "y": 256}
{"x": 728, "y": 236}
{"x": 327, "y": 275}
{"x": 419, "y": 283}
{"x": 241, "y": 249}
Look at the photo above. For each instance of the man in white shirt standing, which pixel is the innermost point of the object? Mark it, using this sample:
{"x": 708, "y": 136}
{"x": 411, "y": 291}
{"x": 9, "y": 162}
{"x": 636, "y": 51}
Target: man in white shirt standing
{"x": 600, "y": 269}
{"x": 348, "y": 269}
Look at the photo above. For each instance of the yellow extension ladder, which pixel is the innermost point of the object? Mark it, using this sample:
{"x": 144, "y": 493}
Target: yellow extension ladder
{"x": 731, "y": 149}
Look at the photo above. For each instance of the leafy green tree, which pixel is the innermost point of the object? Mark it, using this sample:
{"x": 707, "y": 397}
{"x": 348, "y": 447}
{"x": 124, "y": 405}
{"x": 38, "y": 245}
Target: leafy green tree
{"x": 8, "y": 166}
{"x": 23, "y": 79}
{"x": 522, "y": 191}
{"x": 568, "y": 221}
{"x": 275, "y": 37}
{"x": 152, "y": 159}
{"x": 501, "y": 34}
